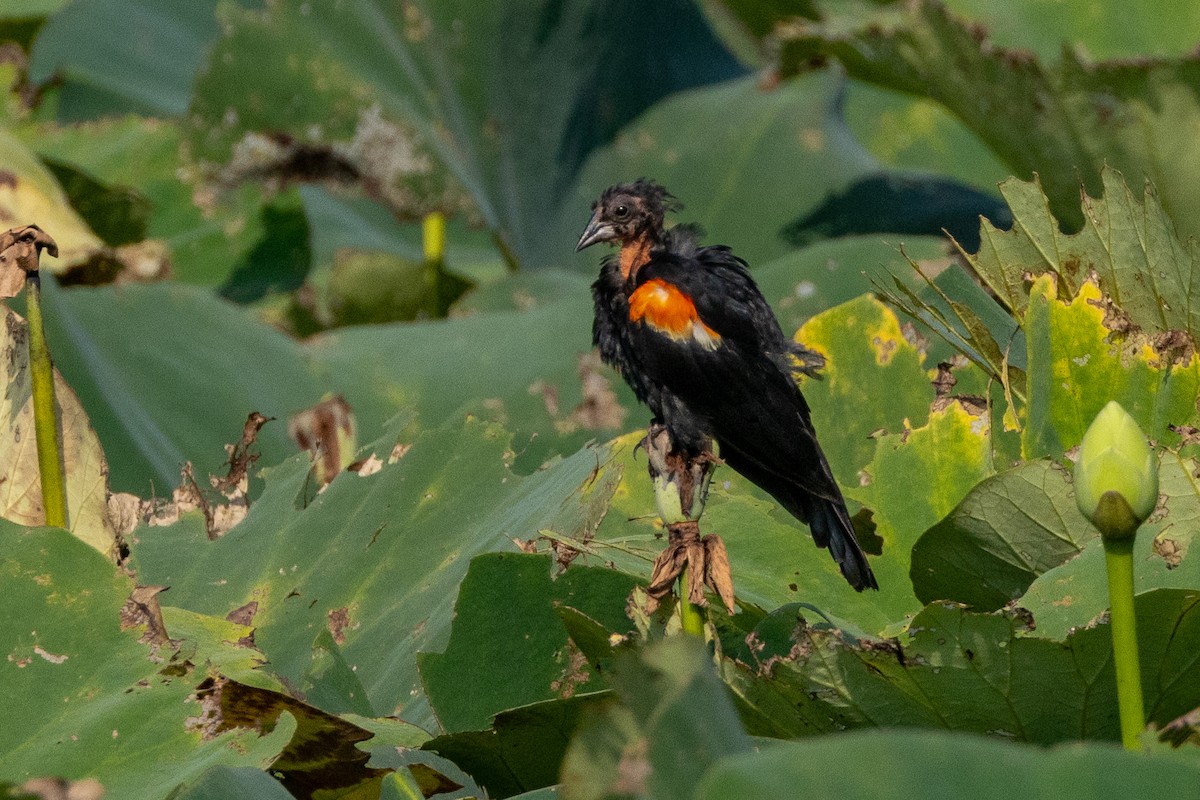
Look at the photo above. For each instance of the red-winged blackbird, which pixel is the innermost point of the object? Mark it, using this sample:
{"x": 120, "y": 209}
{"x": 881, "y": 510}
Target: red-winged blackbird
{"x": 688, "y": 329}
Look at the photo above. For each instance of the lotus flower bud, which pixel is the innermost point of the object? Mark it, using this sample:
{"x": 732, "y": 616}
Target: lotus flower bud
{"x": 1116, "y": 474}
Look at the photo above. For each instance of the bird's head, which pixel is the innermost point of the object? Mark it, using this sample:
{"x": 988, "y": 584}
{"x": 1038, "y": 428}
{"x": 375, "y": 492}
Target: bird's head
{"x": 628, "y": 212}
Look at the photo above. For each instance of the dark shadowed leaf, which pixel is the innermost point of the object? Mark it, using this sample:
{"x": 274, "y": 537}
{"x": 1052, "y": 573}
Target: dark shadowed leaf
{"x": 902, "y": 205}
{"x": 524, "y": 748}
{"x": 1011, "y": 528}
{"x": 985, "y": 673}
{"x": 507, "y": 648}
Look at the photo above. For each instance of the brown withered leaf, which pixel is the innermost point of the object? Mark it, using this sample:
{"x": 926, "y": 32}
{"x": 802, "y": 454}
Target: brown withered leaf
{"x": 141, "y": 608}
{"x": 85, "y": 470}
{"x": 321, "y": 755}
{"x": 328, "y": 431}
{"x": 20, "y": 254}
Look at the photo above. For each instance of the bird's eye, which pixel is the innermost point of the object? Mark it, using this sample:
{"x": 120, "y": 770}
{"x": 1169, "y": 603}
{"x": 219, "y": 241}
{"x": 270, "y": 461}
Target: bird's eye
{"x": 620, "y": 212}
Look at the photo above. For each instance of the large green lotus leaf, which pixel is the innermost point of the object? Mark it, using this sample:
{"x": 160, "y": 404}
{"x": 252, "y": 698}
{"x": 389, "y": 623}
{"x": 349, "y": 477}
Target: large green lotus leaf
{"x": 177, "y": 354}
{"x": 525, "y": 366}
{"x": 1064, "y": 120}
{"x": 503, "y": 99}
{"x": 984, "y": 673}
{"x": 918, "y": 133}
{"x": 880, "y": 765}
{"x": 1074, "y": 594}
{"x": 374, "y": 559}
{"x": 1074, "y": 370}
{"x": 1010, "y": 529}
{"x": 136, "y": 56}
{"x": 674, "y": 719}
{"x": 81, "y": 697}
{"x": 873, "y": 382}
{"x": 181, "y": 353}
{"x": 29, "y": 195}
{"x": 84, "y": 469}
{"x": 143, "y": 157}
{"x": 507, "y": 647}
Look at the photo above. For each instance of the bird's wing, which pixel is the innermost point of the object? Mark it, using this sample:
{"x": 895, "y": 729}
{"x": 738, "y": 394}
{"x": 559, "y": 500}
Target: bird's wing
{"x": 710, "y": 337}
{"x": 704, "y": 332}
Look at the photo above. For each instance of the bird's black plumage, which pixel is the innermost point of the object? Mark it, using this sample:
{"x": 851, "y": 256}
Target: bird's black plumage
{"x": 690, "y": 332}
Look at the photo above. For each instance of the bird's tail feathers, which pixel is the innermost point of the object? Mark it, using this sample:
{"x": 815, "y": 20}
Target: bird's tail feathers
{"x": 831, "y": 527}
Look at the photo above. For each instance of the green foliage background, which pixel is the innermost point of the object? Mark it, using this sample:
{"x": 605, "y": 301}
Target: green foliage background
{"x": 237, "y": 189}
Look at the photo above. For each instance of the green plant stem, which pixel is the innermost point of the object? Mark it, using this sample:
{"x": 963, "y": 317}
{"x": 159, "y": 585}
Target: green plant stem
{"x": 433, "y": 239}
{"x": 690, "y": 614}
{"x": 1118, "y": 554}
{"x": 45, "y": 410}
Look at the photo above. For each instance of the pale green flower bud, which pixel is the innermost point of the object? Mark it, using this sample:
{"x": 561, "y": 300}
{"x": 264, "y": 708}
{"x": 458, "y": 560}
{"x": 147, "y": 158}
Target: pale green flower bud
{"x": 1116, "y": 474}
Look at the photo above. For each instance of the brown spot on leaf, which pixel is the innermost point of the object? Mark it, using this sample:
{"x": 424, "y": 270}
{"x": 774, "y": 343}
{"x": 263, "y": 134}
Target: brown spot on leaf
{"x": 241, "y": 458}
{"x": 366, "y": 466}
{"x": 576, "y": 673}
{"x": 945, "y": 381}
{"x": 973, "y": 404}
{"x": 1189, "y": 434}
{"x": 339, "y": 620}
{"x": 1115, "y": 318}
{"x": 53, "y": 658}
{"x": 225, "y": 510}
{"x": 1174, "y": 347}
{"x": 1169, "y": 550}
{"x": 884, "y": 349}
{"x": 243, "y": 615}
{"x": 549, "y": 394}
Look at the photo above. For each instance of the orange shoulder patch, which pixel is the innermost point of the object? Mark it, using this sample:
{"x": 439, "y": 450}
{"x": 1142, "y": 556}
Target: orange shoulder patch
{"x": 669, "y": 311}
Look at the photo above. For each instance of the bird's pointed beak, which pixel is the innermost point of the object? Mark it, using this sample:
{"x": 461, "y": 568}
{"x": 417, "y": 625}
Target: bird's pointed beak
{"x": 596, "y": 231}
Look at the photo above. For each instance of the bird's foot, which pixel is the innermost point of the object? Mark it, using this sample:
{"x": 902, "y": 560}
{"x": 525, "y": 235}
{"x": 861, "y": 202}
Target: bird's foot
{"x": 652, "y": 437}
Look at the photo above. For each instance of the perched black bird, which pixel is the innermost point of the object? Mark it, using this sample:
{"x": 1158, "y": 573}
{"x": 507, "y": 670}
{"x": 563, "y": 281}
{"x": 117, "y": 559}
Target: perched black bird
{"x": 688, "y": 329}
